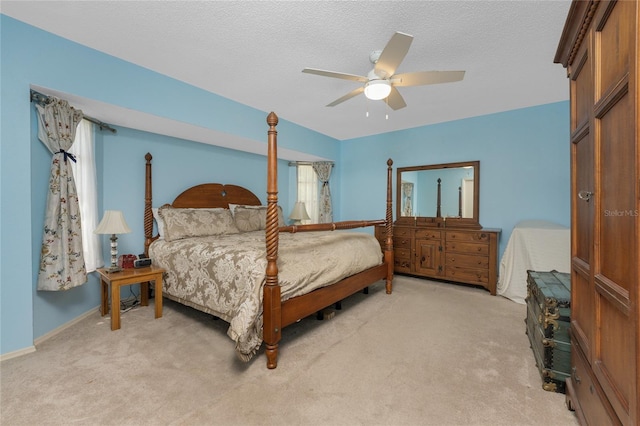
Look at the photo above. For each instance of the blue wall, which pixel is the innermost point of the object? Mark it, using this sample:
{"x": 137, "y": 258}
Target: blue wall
{"x": 31, "y": 56}
{"x": 523, "y": 155}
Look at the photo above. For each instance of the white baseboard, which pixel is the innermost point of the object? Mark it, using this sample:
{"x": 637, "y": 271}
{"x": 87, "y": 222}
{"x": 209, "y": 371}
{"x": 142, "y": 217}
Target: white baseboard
{"x": 47, "y": 336}
{"x": 17, "y": 353}
{"x": 63, "y": 327}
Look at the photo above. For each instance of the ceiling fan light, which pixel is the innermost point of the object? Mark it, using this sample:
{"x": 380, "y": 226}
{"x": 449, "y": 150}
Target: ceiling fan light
{"x": 377, "y": 89}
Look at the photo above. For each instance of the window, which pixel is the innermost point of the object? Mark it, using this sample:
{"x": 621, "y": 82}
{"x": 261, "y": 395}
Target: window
{"x": 308, "y": 191}
{"x": 84, "y": 173}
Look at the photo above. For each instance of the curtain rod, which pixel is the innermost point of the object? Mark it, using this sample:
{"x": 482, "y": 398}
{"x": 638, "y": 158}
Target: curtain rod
{"x": 307, "y": 163}
{"x": 40, "y": 98}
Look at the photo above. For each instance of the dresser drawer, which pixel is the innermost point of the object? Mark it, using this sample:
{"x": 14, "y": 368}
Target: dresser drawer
{"x": 467, "y": 275}
{"x": 466, "y": 261}
{"x": 404, "y": 243}
{"x": 402, "y": 264}
{"x": 584, "y": 390}
{"x": 427, "y": 234}
{"x": 402, "y": 253}
{"x": 471, "y": 248}
{"x": 472, "y": 236}
{"x": 402, "y": 232}
{"x": 402, "y": 260}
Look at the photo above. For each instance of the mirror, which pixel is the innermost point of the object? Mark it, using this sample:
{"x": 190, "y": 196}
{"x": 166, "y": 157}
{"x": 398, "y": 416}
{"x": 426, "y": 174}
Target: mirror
{"x": 439, "y": 194}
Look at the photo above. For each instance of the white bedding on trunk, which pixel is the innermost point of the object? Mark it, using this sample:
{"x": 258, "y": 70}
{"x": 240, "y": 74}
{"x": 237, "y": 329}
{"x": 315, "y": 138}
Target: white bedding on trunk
{"x": 534, "y": 245}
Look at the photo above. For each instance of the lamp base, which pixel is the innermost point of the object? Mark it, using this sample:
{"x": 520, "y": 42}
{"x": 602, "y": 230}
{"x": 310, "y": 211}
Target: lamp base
{"x": 114, "y": 255}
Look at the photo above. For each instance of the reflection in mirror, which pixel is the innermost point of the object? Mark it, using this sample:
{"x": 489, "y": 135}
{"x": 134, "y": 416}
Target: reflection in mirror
{"x": 421, "y": 190}
{"x": 432, "y": 194}
{"x": 407, "y": 199}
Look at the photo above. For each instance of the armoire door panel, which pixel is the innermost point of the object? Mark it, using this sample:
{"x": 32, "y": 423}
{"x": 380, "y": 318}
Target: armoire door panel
{"x": 582, "y": 308}
{"x": 614, "y": 29}
{"x": 617, "y": 195}
{"x": 613, "y": 365}
{"x": 582, "y": 171}
{"x": 614, "y": 264}
{"x": 582, "y": 93}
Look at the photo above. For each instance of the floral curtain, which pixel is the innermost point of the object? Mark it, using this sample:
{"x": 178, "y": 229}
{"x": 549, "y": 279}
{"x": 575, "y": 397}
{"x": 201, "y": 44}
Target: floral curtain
{"x": 61, "y": 259}
{"x": 323, "y": 170}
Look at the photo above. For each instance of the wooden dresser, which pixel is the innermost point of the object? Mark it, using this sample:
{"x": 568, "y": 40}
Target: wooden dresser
{"x": 599, "y": 48}
{"x": 454, "y": 254}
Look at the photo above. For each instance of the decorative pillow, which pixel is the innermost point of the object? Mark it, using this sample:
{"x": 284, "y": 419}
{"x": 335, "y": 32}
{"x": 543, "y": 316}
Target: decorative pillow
{"x": 185, "y": 223}
{"x": 254, "y": 218}
{"x": 159, "y": 223}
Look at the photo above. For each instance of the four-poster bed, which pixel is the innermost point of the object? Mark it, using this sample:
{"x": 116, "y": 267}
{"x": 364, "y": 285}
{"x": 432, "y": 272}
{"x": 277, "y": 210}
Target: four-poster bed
{"x": 278, "y": 298}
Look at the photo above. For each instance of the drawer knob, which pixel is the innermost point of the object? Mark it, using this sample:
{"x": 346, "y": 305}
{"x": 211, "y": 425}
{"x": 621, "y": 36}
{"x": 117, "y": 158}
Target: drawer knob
{"x": 575, "y": 376}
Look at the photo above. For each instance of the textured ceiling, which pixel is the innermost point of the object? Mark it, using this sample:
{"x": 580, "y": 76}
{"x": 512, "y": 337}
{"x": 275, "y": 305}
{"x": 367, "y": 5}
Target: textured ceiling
{"x": 253, "y": 52}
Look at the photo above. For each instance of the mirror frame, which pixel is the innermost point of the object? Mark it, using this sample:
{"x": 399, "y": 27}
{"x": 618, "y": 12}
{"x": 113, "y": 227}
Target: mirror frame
{"x": 473, "y": 222}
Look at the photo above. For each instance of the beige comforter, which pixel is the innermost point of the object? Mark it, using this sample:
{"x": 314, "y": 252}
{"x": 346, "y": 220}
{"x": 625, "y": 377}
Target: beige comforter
{"x": 224, "y": 275}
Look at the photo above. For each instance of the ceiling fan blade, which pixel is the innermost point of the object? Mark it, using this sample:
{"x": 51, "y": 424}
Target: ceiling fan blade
{"x": 334, "y": 74}
{"x": 346, "y": 97}
{"x": 392, "y": 54}
{"x": 395, "y": 99}
{"x": 422, "y": 78}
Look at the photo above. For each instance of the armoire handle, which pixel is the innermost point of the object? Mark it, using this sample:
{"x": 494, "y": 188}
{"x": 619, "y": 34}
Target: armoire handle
{"x": 585, "y": 195}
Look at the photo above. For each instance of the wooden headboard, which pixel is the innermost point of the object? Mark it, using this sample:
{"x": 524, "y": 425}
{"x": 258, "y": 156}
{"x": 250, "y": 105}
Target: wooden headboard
{"x": 206, "y": 195}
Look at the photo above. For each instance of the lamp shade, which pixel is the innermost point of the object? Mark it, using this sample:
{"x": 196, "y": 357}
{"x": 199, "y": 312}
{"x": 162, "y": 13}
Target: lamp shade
{"x": 299, "y": 212}
{"x": 112, "y": 223}
{"x": 377, "y": 89}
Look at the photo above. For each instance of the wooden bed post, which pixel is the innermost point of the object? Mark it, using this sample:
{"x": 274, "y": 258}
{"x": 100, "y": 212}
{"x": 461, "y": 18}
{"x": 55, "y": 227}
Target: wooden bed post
{"x": 148, "y": 214}
{"x": 271, "y": 303}
{"x": 388, "y": 250}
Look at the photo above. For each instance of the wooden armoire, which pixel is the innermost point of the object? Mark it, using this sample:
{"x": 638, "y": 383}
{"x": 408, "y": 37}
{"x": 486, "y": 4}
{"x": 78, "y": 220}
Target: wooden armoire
{"x": 599, "y": 48}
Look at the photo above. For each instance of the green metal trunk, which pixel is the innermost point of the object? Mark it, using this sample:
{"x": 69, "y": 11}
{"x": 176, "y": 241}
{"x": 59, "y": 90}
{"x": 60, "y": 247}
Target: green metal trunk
{"x": 548, "y": 320}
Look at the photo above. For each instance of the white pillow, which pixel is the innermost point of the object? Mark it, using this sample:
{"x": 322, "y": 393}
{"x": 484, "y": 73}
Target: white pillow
{"x": 232, "y": 208}
{"x": 159, "y": 223}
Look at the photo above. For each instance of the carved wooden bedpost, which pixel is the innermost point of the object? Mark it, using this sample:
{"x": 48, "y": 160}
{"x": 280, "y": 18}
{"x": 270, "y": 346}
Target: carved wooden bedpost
{"x": 148, "y": 214}
{"x": 271, "y": 329}
{"x": 438, "y": 201}
{"x": 388, "y": 250}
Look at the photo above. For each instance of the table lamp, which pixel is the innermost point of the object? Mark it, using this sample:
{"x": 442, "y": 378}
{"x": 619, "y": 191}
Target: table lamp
{"x": 113, "y": 223}
{"x": 299, "y": 213}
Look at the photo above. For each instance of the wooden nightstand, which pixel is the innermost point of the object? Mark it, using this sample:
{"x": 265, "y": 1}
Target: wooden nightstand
{"x": 128, "y": 277}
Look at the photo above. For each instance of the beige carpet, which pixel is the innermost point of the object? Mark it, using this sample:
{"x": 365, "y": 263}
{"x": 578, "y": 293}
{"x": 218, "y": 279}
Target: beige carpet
{"x": 429, "y": 354}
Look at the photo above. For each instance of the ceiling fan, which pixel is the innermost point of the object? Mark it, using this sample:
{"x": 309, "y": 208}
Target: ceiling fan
{"x": 381, "y": 81}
